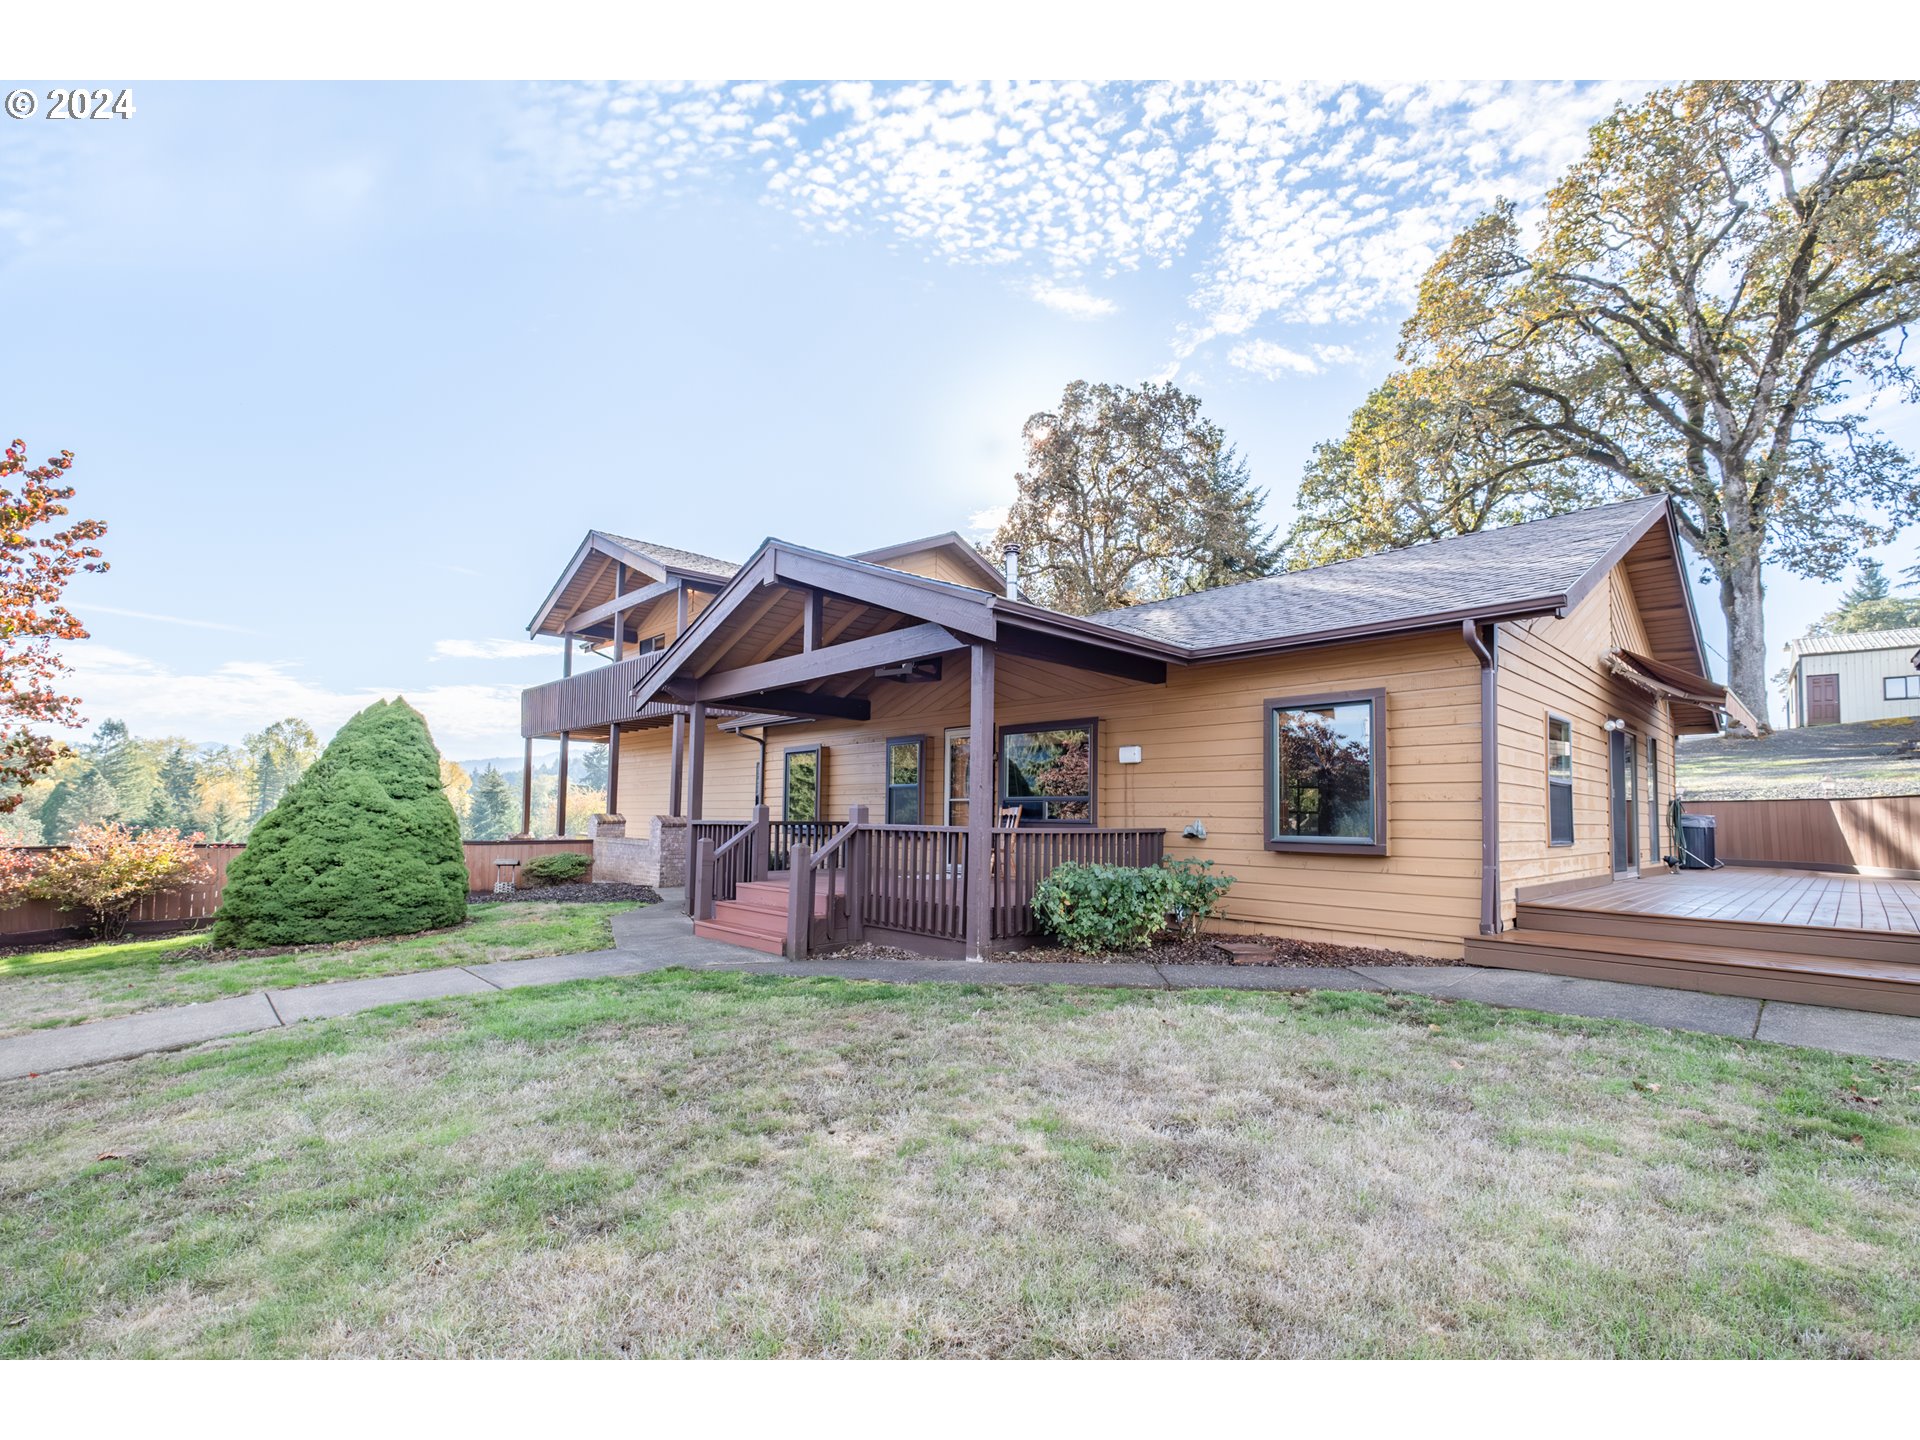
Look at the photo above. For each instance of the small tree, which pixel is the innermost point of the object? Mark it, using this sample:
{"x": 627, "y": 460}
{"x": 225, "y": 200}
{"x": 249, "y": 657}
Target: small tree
{"x": 33, "y": 574}
{"x": 491, "y": 816}
{"x": 105, "y": 871}
{"x": 363, "y": 844}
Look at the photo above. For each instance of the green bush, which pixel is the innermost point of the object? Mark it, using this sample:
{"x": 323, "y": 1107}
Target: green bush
{"x": 1101, "y": 909}
{"x": 558, "y": 869}
{"x": 1197, "y": 892}
{"x": 365, "y": 843}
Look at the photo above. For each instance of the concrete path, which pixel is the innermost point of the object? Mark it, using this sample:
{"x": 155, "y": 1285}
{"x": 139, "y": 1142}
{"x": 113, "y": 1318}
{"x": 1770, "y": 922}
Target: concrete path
{"x": 660, "y": 936}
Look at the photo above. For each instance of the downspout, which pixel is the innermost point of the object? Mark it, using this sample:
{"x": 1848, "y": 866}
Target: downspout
{"x": 1486, "y": 651}
{"x": 760, "y": 775}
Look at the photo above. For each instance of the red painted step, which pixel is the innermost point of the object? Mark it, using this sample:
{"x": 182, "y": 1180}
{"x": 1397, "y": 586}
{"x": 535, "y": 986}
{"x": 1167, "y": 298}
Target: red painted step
{"x": 751, "y": 940}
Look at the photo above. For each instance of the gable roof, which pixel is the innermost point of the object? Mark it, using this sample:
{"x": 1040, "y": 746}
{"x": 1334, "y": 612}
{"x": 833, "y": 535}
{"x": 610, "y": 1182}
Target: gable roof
{"x": 1905, "y": 638}
{"x": 1542, "y": 565}
{"x": 955, "y": 544}
{"x": 674, "y": 558}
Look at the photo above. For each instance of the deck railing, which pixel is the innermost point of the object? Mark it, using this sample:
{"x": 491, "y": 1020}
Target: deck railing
{"x": 585, "y": 701}
{"x": 1023, "y": 858}
{"x": 725, "y": 854}
{"x": 915, "y": 880}
{"x": 785, "y": 834}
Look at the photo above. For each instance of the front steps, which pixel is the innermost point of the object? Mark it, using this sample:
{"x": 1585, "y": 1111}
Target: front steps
{"x": 756, "y": 918}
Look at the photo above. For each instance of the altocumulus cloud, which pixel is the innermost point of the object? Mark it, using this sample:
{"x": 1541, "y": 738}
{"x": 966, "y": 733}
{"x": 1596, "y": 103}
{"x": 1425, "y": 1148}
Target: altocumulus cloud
{"x": 1296, "y": 204}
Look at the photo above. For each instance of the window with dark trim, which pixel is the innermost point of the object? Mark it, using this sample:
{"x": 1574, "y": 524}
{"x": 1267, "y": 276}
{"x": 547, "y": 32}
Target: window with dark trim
{"x": 1326, "y": 764}
{"x": 906, "y": 764}
{"x": 1559, "y": 780}
{"x": 1900, "y": 687}
{"x": 1653, "y": 799}
{"x": 651, "y": 644}
{"x": 800, "y": 784}
{"x": 1048, "y": 771}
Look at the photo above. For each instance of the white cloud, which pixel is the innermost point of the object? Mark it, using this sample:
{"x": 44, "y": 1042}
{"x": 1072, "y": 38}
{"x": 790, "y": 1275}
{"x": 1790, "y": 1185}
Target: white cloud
{"x": 1071, "y": 300}
{"x": 983, "y": 523}
{"x": 93, "y": 609}
{"x": 1338, "y": 355}
{"x": 243, "y": 695}
{"x": 489, "y": 649}
{"x": 1307, "y": 203}
{"x": 1265, "y": 358}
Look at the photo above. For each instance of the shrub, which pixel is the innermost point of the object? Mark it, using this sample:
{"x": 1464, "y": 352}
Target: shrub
{"x": 364, "y": 843}
{"x": 1101, "y": 909}
{"x": 1197, "y": 892}
{"x": 105, "y": 871}
{"x": 559, "y": 869}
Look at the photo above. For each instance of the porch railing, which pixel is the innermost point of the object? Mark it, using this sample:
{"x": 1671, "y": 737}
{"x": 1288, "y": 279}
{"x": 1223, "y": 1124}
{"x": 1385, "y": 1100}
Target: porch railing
{"x": 785, "y": 834}
{"x": 909, "y": 880}
{"x": 726, "y": 853}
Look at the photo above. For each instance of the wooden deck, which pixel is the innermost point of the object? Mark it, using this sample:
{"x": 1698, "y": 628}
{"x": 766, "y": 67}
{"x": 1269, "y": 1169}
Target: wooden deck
{"x": 1808, "y": 937}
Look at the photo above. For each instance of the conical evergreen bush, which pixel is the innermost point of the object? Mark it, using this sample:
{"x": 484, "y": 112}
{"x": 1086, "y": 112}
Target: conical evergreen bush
{"x": 365, "y": 843}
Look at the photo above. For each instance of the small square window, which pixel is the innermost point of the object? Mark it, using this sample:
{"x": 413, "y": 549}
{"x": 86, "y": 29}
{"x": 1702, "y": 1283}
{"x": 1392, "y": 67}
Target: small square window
{"x": 1047, "y": 772}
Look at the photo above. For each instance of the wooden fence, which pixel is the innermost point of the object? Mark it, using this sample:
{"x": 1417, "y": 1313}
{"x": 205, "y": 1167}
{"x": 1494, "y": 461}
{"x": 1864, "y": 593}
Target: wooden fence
{"x": 1875, "y": 833}
{"x": 37, "y": 921}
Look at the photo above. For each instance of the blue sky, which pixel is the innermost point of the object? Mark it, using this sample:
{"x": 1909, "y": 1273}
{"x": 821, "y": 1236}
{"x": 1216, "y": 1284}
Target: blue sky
{"x": 349, "y": 369}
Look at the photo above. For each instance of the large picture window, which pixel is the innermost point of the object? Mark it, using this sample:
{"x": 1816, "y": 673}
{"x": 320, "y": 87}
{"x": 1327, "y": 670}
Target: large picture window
{"x": 906, "y": 756}
{"x": 1326, "y": 767}
{"x": 1047, "y": 771}
{"x": 1559, "y": 780}
{"x": 800, "y": 784}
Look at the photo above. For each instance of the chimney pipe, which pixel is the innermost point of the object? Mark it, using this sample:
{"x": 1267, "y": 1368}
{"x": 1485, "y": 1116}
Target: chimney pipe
{"x": 1011, "y": 555}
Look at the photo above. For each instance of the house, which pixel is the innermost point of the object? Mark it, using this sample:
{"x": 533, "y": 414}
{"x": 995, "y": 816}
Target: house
{"x": 1390, "y": 751}
{"x": 1835, "y": 679}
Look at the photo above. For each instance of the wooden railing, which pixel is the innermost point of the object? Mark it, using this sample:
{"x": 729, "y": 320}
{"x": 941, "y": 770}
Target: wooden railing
{"x": 914, "y": 879}
{"x": 585, "y": 701}
{"x": 726, "y": 853}
{"x": 1872, "y": 833}
{"x": 785, "y": 834}
{"x": 830, "y": 871}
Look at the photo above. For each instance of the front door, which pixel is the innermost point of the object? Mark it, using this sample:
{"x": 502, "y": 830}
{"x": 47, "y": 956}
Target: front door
{"x": 1626, "y": 849}
{"x": 1823, "y": 699}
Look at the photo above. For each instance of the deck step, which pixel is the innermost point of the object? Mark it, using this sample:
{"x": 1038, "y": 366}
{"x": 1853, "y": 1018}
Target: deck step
{"x": 747, "y": 917}
{"x": 772, "y": 895}
{"x": 717, "y": 929}
{"x": 1848, "y": 982}
{"x": 1689, "y": 932}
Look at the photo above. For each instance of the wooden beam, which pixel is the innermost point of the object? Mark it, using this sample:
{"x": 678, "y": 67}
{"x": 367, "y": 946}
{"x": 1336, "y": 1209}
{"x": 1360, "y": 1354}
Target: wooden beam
{"x": 779, "y": 642}
{"x": 812, "y": 619}
{"x": 743, "y": 589}
{"x": 526, "y": 791}
{"x": 613, "y": 768}
{"x": 916, "y": 642}
{"x": 960, "y": 613}
{"x": 697, "y": 762}
{"x": 811, "y": 704}
{"x": 1079, "y": 655}
{"x": 560, "y": 791}
{"x": 981, "y": 802}
{"x": 566, "y": 654}
{"x": 682, "y": 603}
{"x": 631, "y": 599}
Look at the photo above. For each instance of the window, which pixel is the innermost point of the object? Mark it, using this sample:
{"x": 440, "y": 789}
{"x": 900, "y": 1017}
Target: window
{"x": 1559, "y": 780}
{"x": 905, "y": 757}
{"x": 651, "y": 645}
{"x": 1653, "y": 800}
{"x": 1900, "y": 687}
{"x": 1327, "y": 773}
{"x": 800, "y": 788}
{"x": 1048, "y": 771}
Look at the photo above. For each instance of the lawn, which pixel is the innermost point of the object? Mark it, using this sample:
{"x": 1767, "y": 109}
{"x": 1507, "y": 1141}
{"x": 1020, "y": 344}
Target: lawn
{"x": 1872, "y": 757}
{"x": 719, "y": 1164}
{"x": 64, "y": 987}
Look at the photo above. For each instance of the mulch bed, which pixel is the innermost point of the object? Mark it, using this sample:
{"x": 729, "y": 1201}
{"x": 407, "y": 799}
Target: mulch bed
{"x": 580, "y": 892}
{"x": 1267, "y": 950}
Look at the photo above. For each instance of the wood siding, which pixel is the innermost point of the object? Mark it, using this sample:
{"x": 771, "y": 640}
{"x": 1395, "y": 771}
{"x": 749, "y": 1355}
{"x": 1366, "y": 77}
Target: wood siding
{"x": 1556, "y": 666}
{"x": 935, "y": 564}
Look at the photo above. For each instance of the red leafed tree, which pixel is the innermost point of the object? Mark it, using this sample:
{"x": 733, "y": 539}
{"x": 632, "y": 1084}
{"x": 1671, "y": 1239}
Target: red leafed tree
{"x": 34, "y": 571}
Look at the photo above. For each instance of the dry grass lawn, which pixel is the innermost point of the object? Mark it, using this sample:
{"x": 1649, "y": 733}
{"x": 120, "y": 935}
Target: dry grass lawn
{"x": 711, "y": 1164}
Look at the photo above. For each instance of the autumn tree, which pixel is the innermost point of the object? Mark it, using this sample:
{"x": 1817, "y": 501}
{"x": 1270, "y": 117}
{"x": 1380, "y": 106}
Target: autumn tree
{"x": 105, "y": 871}
{"x": 458, "y": 786}
{"x": 34, "y": 570}
{"x": 1130, "y": 495}
{"x": 1714, "y": 294}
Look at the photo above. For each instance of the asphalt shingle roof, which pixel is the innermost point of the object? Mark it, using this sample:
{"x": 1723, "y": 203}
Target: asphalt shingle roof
{"x": 1486, "y": 570}
{"x": 1907, "y": 639}
{"x": 677, "y": 558}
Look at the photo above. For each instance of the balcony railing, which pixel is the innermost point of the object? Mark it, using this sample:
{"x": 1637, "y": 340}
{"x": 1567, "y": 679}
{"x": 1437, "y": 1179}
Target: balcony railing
{"x": 588, "y": 700}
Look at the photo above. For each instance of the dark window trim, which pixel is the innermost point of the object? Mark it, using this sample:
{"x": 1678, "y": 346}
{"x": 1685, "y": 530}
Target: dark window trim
{"x": 786, "y": 757}
{"x": 1378, "y": 761}
{"x": 1653, "y": 797}
{"x": 1907, "y": 687}
{"x": 1573, "y": 827}
{"x": 919, "y": 742}
{"x": 650, "y": 644}
{"x": 1001, "y": 800}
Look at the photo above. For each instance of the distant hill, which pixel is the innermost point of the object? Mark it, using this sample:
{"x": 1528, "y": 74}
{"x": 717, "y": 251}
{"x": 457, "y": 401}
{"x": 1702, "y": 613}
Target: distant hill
{"x": 1871, "y": 757}
{"x": 504, "y": 764}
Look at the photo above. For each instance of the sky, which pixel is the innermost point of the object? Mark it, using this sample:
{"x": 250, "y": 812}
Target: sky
{"x": 350, "y": 369}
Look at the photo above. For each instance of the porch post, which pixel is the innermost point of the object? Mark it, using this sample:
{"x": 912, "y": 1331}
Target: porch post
{"x": 619, "y": 619}
{"x": 981, "y": 752}
{"x": 526, "y": 791}
{"x": 697, "y": 760}
{"x": 681, "y": 604}
{"x": 613, "y": 768}
{"x": 676, "y": 765}
{"x": 566, "y": 655}
{"x": 560, "y": 791}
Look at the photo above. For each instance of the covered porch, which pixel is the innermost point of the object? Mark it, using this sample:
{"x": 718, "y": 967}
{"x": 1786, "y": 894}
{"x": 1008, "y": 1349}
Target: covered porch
{"x": 916, "y": 780}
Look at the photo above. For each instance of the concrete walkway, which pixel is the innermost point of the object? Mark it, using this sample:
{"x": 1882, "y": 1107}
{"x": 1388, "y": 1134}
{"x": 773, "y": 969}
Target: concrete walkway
{"x": 660, "y": 936}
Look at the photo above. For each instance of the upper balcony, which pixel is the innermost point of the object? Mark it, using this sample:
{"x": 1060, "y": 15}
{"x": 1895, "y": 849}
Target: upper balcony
{"x": 587, "y": 703}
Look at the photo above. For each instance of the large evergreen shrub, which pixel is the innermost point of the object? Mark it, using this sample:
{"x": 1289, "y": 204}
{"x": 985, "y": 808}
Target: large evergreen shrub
{"x": 364, "y": 843}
